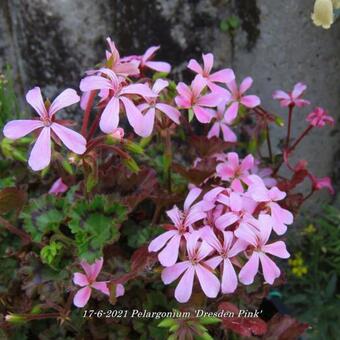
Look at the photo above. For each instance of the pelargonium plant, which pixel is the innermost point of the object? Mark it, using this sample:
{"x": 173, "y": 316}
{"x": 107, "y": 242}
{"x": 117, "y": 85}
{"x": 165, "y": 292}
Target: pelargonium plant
{"x": 170, "y": 197}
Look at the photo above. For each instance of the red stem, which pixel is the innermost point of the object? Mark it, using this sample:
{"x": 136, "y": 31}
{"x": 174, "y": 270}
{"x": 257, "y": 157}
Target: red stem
{"x": 289, "y": 124}
{"x": 25, "y": 238}
{"x": 87, "y": 113}
{"x": 94, "y": 125}
{"x": 303, "y": 134}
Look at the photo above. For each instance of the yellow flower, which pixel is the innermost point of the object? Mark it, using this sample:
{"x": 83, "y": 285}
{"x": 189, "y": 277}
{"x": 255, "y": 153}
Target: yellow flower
{"x": 297, "y": 265}
{"x": 323, "y": 13}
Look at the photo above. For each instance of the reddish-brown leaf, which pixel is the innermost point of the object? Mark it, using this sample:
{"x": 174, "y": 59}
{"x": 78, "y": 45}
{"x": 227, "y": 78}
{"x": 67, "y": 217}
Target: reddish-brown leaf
{"x": 11, "y": 199}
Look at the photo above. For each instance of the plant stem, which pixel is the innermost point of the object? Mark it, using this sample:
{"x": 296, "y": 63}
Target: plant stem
{"x": 87, "y": 113}
{"x": 269, "y": 144}
{"x": 303, "y": 134}
{"x": 289, "y": 124}
{"x": 94, "y": 125}
{"x": 25, "y": 238}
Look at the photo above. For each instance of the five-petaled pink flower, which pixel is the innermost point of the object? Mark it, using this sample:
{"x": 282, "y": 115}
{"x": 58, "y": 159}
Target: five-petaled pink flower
{"x": 48, "y": 126}
{"x": 195, "y": 264}
{"x": 258, "y": 242}
{"x": 117, "y": 93}
{"x": 88, "y": 281}
{"x": 319, "y": 118}
{"x": 223, "y": 76}
{"x": 238, "y": 97}
{"x": 182, "y": 226}
{"x": 225, "y": 251}
{"x": 293, "y": 98}
{"x": 151, "y": 105}
{"x": 235, "y": 171}
{"x": 192, "y": 98}
{"x": 223, "y": 120}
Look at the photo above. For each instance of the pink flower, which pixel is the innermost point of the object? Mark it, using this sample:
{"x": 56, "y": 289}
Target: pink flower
{"x": 225, "y": 251}
{"x": 270, "y": 270}
{"x": 88, "y": 281}
{"x": 238, "y": 97}
{"x": 49, "y": 127}
{"x": 119, "y": 67}
{"x": 281, "y": 217}
{"x": 194, "y": 265}
{"x": 151, "y": 105}
{"x": 319, "y": 118}
{"x": 223, "y": 120}
{"x": 191, "y": 98}
{"x": 235, "y": 171}
{"x": 293, "y": 98}
{"x": 182, "y": 227}
{"x": 58, "y": 187}
{"x": 320, "y": 183}
{"x": 223, "y": 76}
{"x": 107, "y": 80}
{"x": 264, "y": 174}
{"x": 159, "y": 66}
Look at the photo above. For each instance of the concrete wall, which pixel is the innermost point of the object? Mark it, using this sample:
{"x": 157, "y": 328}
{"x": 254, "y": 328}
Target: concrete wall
{"x": 51, "y": 43}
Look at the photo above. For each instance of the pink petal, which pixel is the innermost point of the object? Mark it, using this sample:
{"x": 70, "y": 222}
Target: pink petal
{"x": 94, "y": 83}
{"x": 184, "y": 91}
{"x": 208, "y": 62}
{"x": 84, "y": 99}
{"x": 281, "y": 217}
{"x": 246, "y": 233}
{"x": 82, "y": 297}
{"x": 202, "y": 115}
{"x": 210, "y": 100}
{"x": 145, "y": 127}
{"x": 140, "y": 89}
{"x": 150, "y": 52}
{"x": 34, "y": 98}
{"x": 159, "y": 66}
{"x": 169, "y": 255}
{"x": 249, "y": 270}
{"x": 184, "y": 288}
{"x": 229, "y": 278}
{"x": 299, "y": 88}
{"x": 80, "y": 279}
{"x": 191, "y": 197}
{"x": 159, "y": 85}
{"x": 195, "y": 66}
{"x": 72, "y": 140}
{"x": 109, "y": 119}
{"x": 134, "y": 116}
{"x": 40, "y": 156}
{"x": 19, "y": 128}
{"x": 265, "y": 227}
{"x": 170, "y": 274}
{"x": 170, "y": 111}
{"x": 276, "y": 195}
{"x": 223, "y": 76}
{"x": 232, "y": 110}
{"x": 175, "y": 216}
{"x": 250, "y": 101}
{"x": 214, "y": 262}
{"x": 232, "y": 86}
{"x": 226, "y": 220}
{"x": 239, "y": 246}
{"x": 208, "y": 281}
{"x": 270, "y": 270}
{"x": 209, "y": 236}
{"x": 281, "y": 95}
{"x": 101, "y": 286}
{"x": 194, "y": 215}
{"x": 65, "y": 99}
{"x": 58, "y": 187}
{"x": 277, "y": 248}
{"x": 235, "y": 202}
{"x": 233, "y": 160}
{"x": 246, "y": 84}
{"x": 182, "y": 102}
{"x": 228, "y": 134}
{"x": 204, "y": 250}
{"x": 120, "y": 290}
{"x": 158, "y": 243}
{"x": 92, "y": 270}
{"x": 197, "y": 85}
{"x": 214, "y": 130}
{"x": 247, "y": 163}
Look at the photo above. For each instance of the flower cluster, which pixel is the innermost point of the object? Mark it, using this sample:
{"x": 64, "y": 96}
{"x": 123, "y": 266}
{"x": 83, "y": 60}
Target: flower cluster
{"x": 227, "y": 228}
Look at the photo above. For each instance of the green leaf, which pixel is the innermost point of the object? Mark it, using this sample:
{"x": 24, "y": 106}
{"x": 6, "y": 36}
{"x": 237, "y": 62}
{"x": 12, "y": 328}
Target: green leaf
{"x": 50, "y": 253}
{"x": 167, "y": 323}
{"x": 209, "y": 320}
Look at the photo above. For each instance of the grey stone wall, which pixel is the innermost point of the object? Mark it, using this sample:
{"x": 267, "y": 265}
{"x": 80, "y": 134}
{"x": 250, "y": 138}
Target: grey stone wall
{"x": 52, "y": 42}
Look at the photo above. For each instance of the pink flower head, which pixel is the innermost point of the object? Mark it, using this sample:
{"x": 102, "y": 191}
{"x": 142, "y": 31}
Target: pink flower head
{"x": 191, "y": 98}
{"x": 293, "y": 98}
{"x": 58, "y": 187}
{"x": 118, "y": 94}
{"x": 259, "y": 193}
{"x": 40, "y": 156}
{"x": 151, "y": 105}
{"x": 223, "y": 120}
{"x": 260, "y": 250}
{"x": 319, "y": 118}
{"x": 238, "y": 97}
{"x": 118, "y": 67}
{"x": 88, "y": 281}
{"x": 321, "y": 183}
{"x": 225, "y": 251}
{"x": 182, "y": 220}
{"x": 235, "y": 171}
{"x": 146, "y": 61}
{"x": 223, "y": 76}
{"x": 195, "y": 265}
